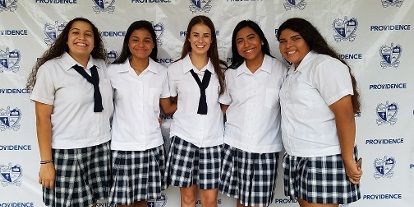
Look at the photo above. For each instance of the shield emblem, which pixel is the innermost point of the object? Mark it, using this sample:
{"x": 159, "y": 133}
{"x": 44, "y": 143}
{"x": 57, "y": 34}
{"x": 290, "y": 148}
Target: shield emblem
{"x": 10, "y": 118}
{"x": 50, "y": 31}
{"x": 384, "y": 166}
{"x": 160, "y": 202}
{"x": 345, "y": 27}
{"x": 10, "y": 174}
{"x": 9, "y": 59}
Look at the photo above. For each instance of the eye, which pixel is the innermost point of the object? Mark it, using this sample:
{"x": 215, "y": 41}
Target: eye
{"x": 282, "y": 41}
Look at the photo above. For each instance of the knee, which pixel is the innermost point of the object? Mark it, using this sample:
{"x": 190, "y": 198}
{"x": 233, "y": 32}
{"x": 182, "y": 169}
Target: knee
{"x": 188, "y": 199}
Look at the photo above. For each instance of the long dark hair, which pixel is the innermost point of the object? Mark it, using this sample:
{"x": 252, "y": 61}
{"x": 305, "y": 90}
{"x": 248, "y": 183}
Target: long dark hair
{"x": 212, "y": 53}
{"x": 142, "y": 24}
{"x": 237, "y": 60}
{"x": 59, "y": 47}
{"x": 319, "y": 45}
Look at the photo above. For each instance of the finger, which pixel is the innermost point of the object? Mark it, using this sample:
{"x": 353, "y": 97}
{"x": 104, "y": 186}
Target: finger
{"x": 51, "y": 184}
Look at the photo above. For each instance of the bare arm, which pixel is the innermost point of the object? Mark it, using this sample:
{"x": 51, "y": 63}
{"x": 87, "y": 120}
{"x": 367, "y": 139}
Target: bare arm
{"x": 44, "y": 136}
{"x": 168, "y": 105}
{"x": 345, "y": 124}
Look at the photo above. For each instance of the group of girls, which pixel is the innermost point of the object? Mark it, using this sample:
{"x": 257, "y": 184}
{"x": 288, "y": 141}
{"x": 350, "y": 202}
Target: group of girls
{"x": 81, "y": 105}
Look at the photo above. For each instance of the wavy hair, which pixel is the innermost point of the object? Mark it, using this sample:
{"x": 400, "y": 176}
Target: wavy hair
{"x": 318, "y": 44}
{"x": 59, "y": 47}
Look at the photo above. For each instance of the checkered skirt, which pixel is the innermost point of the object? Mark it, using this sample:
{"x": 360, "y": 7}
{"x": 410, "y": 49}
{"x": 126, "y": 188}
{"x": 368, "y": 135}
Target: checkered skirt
{"x": 137, "y": 175}
{"x": 188, "y": 164}
{"x": 318, "y": 180}
{"x": 82, "y": 176}
{"x": 248, "y": 177}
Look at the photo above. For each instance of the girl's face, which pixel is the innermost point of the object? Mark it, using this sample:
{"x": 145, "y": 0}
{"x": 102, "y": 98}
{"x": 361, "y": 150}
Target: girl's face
{"x": 200, "y": 39}
{"x": 140, "y": 44}
{"x": 292, "y": 46}
{"x": 249, "y": 44}
{"x": 80, "y": 39}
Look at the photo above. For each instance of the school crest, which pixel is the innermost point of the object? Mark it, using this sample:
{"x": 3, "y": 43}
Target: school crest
{"x": 104, "y": 6}
{"x": 9, "y": 60}
{"x": 10, "y": 174}
{"x": 387, "y": 113}
{"x": 294, "y": 4}
{"x": 384, "y": 167}
{"x": 159, "y": 31}
{"x": 51, "y": 31}
{"x": 390, "y": 55}
{"x": 200, "y": 5}
{"x": 160, "y": 202}
{"x": 345, "y": 29}
{"x": 396, "y": 3}
{"x": 111, "y": 55}
{"x": 8, "y": 5}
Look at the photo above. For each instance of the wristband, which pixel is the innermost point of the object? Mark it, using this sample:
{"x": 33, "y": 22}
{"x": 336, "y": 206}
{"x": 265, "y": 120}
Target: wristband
{"x": 42, "y": 162}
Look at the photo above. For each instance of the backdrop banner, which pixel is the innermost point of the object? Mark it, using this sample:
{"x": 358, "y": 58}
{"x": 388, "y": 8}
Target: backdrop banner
{"x": 374, "y": 36}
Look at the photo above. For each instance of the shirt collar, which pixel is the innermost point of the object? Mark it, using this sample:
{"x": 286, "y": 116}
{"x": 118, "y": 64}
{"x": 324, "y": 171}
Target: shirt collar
{"x": 302, "y": 65}
{"x": 188, "y": 65}
{"x": 127, "y": 66}
{"x": 265, "y": 67}
{"x": 68, "y": 62}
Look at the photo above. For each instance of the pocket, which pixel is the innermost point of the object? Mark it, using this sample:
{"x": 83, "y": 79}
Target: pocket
{"x": 271, "y": 97}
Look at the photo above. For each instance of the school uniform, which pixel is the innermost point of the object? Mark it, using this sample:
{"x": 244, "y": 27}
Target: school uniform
{"x": 80, "y": 136}
{"x": 137, "y": 143}
{"x": 309, "y": 131}
{"x": 194, "y": 155}
{"x": 252, "y": 132}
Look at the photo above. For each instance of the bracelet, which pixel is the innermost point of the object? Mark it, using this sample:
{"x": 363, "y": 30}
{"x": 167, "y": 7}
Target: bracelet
{"x": 42, "y": 162}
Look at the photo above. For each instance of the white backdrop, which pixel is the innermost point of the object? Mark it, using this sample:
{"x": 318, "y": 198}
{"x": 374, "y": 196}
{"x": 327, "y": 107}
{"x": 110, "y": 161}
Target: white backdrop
{"x": 374, "y": 36}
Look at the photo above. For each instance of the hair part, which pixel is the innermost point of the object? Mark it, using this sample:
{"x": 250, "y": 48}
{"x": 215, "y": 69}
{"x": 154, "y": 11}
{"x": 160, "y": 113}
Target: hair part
{"x": 59, "y": 47}
{"x": 126, "y": 53}
{"x": 237, "y": 59}
{"x": 318, "y": 44}
{"x": 212, "y": 53}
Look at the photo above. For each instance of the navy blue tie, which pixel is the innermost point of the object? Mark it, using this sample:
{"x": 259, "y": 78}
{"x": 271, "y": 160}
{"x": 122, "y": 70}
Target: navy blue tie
{"x": 94, "y": 80}
{"x": 202, "y": 104}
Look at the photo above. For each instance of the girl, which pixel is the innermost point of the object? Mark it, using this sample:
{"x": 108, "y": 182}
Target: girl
{"x": 73, "y": 105}
{"x": 196, "y": 80}
{"x": 252, "y": 131}
{"x": 319, "y": 100}
{"x": 140, "y": 86}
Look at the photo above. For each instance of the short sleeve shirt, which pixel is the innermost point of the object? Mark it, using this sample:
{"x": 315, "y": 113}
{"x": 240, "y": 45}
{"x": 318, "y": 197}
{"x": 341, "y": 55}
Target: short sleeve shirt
{"x": 308, "y": 123}
{"x": 198, "y": 129}
{"x": 135, "y": 125}
{"x": 253, "y": 115}
{"x": 74, "y": 122}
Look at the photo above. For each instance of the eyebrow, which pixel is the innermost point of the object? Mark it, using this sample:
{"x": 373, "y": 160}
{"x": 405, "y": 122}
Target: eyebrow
{"x": 74, "y": 28}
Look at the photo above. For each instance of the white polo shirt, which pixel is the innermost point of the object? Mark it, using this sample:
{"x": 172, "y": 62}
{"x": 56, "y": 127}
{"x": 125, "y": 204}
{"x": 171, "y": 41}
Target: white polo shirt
{"x": 135, "y": 125}
{"x": 200, "y": 130}
{"x": 253, "y": 115}
{"x": 74, "y": 123}
{"x": 308, "y": 123}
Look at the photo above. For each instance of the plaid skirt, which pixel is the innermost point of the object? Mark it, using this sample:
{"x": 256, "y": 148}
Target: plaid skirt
{"x": 318, "y": 180}
{"x": 190, "y": 165}
{"x": 137, "y": 175}
{"x": 82, "y": 176}
{"x": 248, "y": 177}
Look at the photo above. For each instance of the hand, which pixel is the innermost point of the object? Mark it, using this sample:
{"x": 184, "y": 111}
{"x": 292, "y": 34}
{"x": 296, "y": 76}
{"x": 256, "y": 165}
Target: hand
{"x": 47, "y": 175}
{"x": 353, "y": 171}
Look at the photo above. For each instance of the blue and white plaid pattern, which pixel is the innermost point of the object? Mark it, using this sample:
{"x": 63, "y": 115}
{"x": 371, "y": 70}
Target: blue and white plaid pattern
{"x": 188, "y": 164}
{"x": 82, "y": 176}
{"x": 249, "y": 177}
{"x": 137, "y": 175}
{"x": 318, "y": 180}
